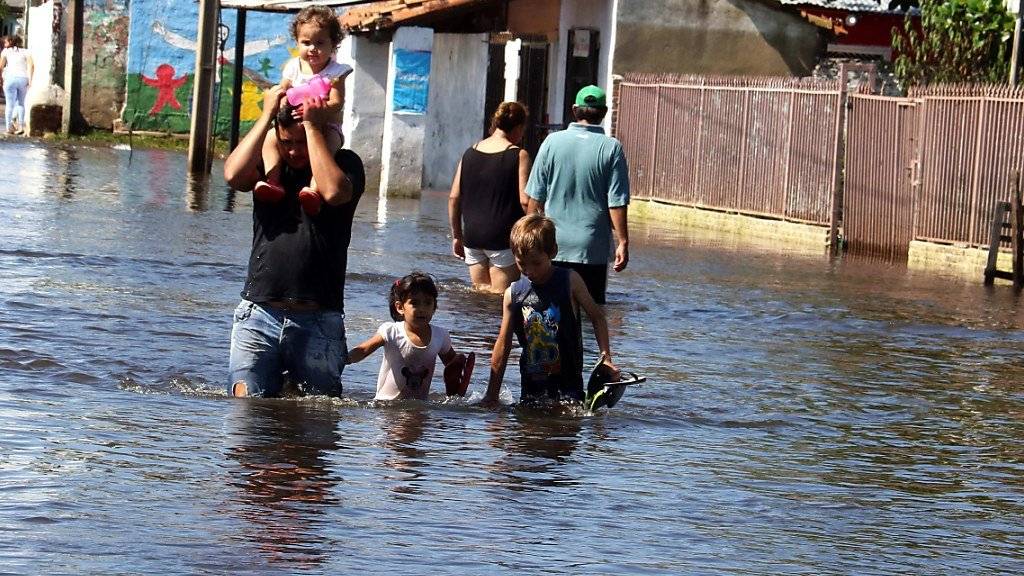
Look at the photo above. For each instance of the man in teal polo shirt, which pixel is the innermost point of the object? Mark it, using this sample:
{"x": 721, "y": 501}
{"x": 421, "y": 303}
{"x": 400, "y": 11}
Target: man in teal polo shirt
{"x": 581, "y": 181}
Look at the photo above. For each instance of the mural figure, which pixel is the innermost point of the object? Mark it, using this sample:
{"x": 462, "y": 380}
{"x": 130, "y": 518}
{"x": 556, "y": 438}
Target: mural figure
{"x": 266, "y": 66}
{"x": 166, "y": 84}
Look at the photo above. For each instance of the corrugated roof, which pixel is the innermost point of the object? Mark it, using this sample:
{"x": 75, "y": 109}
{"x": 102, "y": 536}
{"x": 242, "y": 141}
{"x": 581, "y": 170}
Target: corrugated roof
{"x": 286, "y": 5}
{"x": 900, "y": 6}
{"x": 391, "y": 13}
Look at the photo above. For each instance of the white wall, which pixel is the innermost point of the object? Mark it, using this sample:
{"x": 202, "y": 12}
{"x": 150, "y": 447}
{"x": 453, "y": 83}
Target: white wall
{"x": 365, "y": 95}
{"x": 41, "y": 44}
{"x": 455, "y": 114}
{"x": 597, "y": 14}
{"x": 404, "y": 134}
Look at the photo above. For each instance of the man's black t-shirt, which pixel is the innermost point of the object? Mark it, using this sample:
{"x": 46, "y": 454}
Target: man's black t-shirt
{"x": 296, "y": 256}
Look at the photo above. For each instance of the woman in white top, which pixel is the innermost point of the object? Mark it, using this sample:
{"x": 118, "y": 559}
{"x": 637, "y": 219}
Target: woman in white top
{"x": 16, "y": 67}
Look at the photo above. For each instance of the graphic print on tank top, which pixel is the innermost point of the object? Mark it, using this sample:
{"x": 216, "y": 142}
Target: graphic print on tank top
{"x": 541, "y": 327}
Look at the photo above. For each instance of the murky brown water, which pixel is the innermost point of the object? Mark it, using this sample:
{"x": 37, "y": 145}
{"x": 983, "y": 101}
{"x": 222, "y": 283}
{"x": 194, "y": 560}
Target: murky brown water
{"x": 801, "y": 416}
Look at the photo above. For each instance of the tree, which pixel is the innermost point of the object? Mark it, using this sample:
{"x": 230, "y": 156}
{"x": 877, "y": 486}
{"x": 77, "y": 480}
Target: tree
{"x": 954, "y": 41}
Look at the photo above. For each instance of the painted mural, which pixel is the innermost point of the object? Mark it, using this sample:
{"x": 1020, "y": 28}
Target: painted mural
{"x": 161, "y": 64}
{"x": 105, "y": 49}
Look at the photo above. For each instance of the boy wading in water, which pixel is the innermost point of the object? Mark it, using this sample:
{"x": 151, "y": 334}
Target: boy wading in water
{"x": 542, "y": 309}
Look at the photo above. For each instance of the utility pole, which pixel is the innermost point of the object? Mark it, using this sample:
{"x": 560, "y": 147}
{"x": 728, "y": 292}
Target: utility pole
{"x": 199, "y": 153}
{"x": 1015, "y": 57}
{"x": 236, "y": 92}
{"x": 71, "y": 114}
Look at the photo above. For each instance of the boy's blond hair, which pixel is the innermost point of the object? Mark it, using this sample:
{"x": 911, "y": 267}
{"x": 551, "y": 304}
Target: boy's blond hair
{"x": 533, "y": 232}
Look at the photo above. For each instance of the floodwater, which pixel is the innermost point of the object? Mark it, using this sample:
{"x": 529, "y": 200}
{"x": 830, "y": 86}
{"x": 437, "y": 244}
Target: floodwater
{"x": 801, "y": 415}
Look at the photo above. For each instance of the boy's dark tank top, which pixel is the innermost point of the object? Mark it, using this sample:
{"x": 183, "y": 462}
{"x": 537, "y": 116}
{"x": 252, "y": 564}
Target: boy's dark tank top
{"x": 489, "y": 185}
{"x": 548, "y": 329}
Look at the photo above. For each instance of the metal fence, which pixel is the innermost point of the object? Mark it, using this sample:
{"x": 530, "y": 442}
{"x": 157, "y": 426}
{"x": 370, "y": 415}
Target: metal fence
{"x": 927, "y": 167}
{"x": 930, "y": 167}
{"x": 765, "y": 147}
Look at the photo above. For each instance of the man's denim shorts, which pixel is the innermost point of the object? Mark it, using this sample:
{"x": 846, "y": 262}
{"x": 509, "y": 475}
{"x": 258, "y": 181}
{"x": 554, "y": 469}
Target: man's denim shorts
{"x": 266, "y": 342}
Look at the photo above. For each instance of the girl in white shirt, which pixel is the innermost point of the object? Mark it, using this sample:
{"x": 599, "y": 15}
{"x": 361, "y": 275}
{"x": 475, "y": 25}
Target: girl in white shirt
{"x": 411, "y": 344}
{"x": 17, "y": 67}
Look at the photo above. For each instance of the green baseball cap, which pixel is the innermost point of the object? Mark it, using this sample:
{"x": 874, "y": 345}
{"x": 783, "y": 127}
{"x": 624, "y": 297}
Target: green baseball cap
{"x": 591, "y": 96}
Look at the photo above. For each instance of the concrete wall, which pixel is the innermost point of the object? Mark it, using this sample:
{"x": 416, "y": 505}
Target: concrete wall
{"x": 597, "y": 14}
{"x": 104, "y": 56}
{"x": 42, "y": 41}
{"x": 404, "y": 133}
{"x": 734, "y": 37}
{"x": 738, "y": 228}
{"x": 365, "y": 94}
{"x": 538, "y": 17}
{"x": 161, "y": 64}
{"x": 458, "y": 72}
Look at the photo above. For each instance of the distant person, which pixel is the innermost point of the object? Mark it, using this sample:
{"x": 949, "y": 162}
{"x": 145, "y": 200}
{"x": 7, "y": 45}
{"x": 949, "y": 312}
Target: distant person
{"x": 542, "y": 310}
{"x": 291, "y": 318}
{"x": 488, "y": 195}
{"x": 412, "y": 344}
{"x": 16, "y": 67}
{"x": 581, "y": 181}
{"x": 318, "y": 32}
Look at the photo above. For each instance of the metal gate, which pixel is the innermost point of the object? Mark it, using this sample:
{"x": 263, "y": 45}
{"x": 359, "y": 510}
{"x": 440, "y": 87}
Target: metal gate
{"x": 882, "y": 175}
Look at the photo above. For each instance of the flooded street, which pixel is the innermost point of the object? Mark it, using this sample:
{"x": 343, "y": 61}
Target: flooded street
{"x": 801, "y": 415}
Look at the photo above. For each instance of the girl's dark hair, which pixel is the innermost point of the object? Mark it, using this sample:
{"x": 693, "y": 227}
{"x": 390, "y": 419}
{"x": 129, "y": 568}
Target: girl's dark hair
{"x": 508, "y": 116}
{"x": 15, "y": 40}
{"x": 404, "y": 288}
{"x": 322, "y": 16}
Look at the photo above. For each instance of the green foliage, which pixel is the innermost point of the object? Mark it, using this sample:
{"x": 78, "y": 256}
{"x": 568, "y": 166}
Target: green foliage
{"x": 954, "y": 41}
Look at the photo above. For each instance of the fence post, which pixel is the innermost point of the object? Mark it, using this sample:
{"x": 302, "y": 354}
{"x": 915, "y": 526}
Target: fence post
{"x": 743, "y": 147}
{"x": 654, "y": 143}
{"x": 837, "y": 188}
{"x": 1018, "y": 234}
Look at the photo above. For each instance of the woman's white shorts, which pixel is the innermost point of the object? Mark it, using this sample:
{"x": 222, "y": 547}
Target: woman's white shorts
{"x": 499, "y": 258}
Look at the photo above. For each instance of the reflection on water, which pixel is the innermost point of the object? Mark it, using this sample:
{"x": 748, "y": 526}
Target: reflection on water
{"x": 801, "y": 415}
{"x": 284, "y": 482}
{"x": 535, "y": 443}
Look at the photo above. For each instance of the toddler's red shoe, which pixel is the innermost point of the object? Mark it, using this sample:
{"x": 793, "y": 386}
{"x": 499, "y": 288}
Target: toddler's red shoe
{"x": 267, "y": 192}
{"x": 310, "y": 200}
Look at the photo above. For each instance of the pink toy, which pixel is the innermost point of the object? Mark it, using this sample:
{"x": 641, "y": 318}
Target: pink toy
{"x": 317, "y": 86}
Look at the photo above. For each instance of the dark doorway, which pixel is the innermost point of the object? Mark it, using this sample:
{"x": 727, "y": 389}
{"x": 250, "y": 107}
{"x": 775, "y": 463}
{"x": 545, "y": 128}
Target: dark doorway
{"x": 581, "y": 61}
{"x": 495, "y": 91}
{"x": 532, "y": 90}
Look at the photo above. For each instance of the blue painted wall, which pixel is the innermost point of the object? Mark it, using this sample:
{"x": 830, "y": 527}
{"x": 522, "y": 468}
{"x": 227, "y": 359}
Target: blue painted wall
{"x": 161, "y": 64}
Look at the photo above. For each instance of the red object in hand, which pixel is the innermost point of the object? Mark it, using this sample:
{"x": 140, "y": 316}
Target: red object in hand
{"x": 458, "y": 373}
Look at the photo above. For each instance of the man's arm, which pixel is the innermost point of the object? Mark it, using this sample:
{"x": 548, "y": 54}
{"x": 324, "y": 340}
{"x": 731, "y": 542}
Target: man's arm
{"x": 619, "y": 217}
{"x": 582, "y": 297}
{"x": 499, "y": 355}
{"x": 331, "y": 181}
{"x": 242, "y": 167}
{"x": 537, "y": 184}
{"x": 618, "y": 202}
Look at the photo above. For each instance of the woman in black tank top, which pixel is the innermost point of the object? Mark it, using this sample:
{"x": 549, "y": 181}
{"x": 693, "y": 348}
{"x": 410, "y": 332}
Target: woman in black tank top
{"x": 488, "y": 196}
